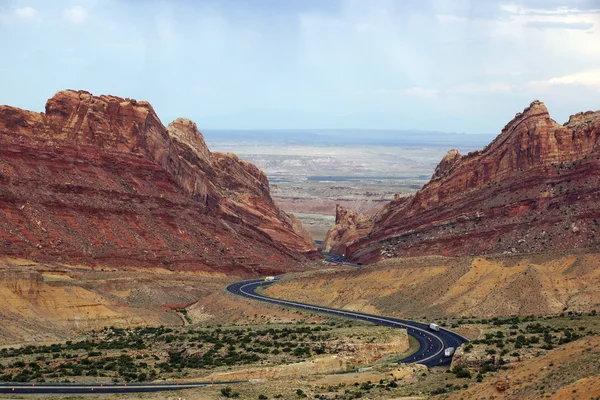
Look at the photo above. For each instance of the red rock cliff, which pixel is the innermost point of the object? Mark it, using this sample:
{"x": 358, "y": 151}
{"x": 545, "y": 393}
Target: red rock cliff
{"x": 349, "y": 226}
{"x": 100, "y": 179}
{"x": 534, "y": 188}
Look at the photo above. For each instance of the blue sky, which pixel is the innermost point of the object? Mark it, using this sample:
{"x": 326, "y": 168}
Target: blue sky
{"x": 447, "y": 65}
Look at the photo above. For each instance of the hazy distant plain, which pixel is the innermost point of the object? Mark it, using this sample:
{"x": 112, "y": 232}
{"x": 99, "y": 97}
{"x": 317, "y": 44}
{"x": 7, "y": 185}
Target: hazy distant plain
{"x": 310, "y": 172}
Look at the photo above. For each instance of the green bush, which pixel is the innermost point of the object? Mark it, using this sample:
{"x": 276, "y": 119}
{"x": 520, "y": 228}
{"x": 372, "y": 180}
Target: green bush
{"x": 460, "y": 372}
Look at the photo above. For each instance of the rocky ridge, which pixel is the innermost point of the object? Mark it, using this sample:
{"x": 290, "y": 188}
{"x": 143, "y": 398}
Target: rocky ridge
{"x": 533, "y": 189}
{"x": 100, "y": 180}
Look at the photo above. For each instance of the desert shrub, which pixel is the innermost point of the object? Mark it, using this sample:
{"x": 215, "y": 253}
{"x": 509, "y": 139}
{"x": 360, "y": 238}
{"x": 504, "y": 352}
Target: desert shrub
{"x": 460, "y": 372}
{"x": 229, "y": 393}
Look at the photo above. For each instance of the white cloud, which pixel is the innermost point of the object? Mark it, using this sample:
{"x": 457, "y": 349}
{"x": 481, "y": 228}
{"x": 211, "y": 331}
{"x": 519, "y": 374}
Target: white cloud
{"x": 520, "y": 10}
{"x": 590, "y": 79}
{"x": 587, "y": 78}
{"x": 76, "y": 14}
{"x": 580, "y": 25}
{"x": 26, "y": 12}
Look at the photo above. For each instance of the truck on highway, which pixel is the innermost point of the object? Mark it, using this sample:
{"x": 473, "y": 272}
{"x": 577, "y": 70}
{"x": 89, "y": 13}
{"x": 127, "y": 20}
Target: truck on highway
{"x": 449, "y": 351}
{"x": 269, "y": 279}
{"x": 434, "y": 327}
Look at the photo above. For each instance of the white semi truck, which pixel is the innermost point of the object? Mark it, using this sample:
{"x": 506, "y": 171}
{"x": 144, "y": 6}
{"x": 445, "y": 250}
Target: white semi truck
{"x": 269, "y": 279}
{"x": 434, "y": 327}
{"x": 449, "y": 351}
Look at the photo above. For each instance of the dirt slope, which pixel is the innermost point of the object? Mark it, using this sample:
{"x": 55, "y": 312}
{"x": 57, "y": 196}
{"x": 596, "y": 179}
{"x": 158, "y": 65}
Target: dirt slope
{"x": 569, "y": 372}
{"x": 439, "y": 286}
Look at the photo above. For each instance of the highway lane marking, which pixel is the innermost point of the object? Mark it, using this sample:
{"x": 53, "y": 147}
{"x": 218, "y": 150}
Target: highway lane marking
{"x": 452, "y": 335}
{"x": 247, "y": 283}
{"x": 347, "y": 313}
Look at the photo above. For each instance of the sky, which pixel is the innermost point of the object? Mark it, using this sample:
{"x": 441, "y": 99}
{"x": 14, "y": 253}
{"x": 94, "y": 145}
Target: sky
{"x": 444, "y": 65}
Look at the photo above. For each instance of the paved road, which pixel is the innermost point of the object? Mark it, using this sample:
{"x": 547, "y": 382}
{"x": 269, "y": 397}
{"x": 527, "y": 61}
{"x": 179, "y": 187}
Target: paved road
{"x": 97, "y": 388}
{"x": 432, "y": 344}
{"x": 430, "y": 353}
{"x": 339, "y": 259}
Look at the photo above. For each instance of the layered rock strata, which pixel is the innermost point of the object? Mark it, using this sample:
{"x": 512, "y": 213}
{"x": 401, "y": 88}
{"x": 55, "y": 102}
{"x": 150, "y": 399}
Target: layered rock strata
{"x": 99, "y": 179}
{"x": 534, "y": 188}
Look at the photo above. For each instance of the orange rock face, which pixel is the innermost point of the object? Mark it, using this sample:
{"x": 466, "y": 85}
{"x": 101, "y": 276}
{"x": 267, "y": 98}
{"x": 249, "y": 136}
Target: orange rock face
{"x": 349, "y": 226}
{"x": 101, "y": 180}
{"x": 300, "y": 229}
{"x": 534, "y": 188}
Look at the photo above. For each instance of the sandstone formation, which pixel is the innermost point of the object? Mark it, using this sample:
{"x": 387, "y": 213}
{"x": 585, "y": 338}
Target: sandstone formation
{"x": 475, "y": 359}
{"x": 300, "y": 229}
{"x": 40, "y": 303}
{"x": 48, "y": 301}
{"x": 319, "y": 365}
{"x": 349, "y": 226}
{"x": 534, "y": 188}
{"x": 100, "y": 180}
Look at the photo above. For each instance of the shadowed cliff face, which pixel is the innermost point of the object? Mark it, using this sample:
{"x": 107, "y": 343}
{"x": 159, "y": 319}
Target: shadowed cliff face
{"x": 101, "y": 180}
{"x": 533, "y": 189}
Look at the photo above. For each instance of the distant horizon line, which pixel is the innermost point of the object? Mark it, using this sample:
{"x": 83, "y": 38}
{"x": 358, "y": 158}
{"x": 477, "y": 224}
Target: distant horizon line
{"x": 340, "y": 129}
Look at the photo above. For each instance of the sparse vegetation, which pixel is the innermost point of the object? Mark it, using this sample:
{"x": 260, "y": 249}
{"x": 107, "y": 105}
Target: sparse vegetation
{"x": 146, "y": 354}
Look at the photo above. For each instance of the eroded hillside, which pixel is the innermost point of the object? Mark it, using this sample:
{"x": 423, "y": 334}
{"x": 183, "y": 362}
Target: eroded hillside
{"x": 43, "y": 302}
{"x": 569, "y": 372}
{"x": 465, "y": 286}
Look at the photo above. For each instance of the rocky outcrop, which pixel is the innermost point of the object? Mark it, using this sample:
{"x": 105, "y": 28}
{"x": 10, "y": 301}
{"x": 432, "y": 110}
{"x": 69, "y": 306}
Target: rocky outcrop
{"x": 474, "y": 359}
{"x": 99, "y": 179}
{"x": 533, "y": 189}
{"x": 349, "y": 225}
{"x": 448, "y": 162}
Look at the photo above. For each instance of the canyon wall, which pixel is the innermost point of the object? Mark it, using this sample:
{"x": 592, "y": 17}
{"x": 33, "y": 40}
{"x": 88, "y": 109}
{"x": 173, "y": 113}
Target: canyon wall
{"x": 535, "y": 188}
{"x": 100, "y": 180}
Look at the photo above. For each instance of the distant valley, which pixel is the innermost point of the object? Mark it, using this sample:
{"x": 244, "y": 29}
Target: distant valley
{"x": 312, "y": 171}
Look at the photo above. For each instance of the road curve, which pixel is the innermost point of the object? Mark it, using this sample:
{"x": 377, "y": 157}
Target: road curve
{"x": 432, "y": 343}
{"x": 430, "y": 353}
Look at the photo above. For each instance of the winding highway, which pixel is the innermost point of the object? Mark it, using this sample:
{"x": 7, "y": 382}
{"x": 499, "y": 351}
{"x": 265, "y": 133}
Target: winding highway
{"x": 431, "y": 343}
{"x": 430, "y": 353}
